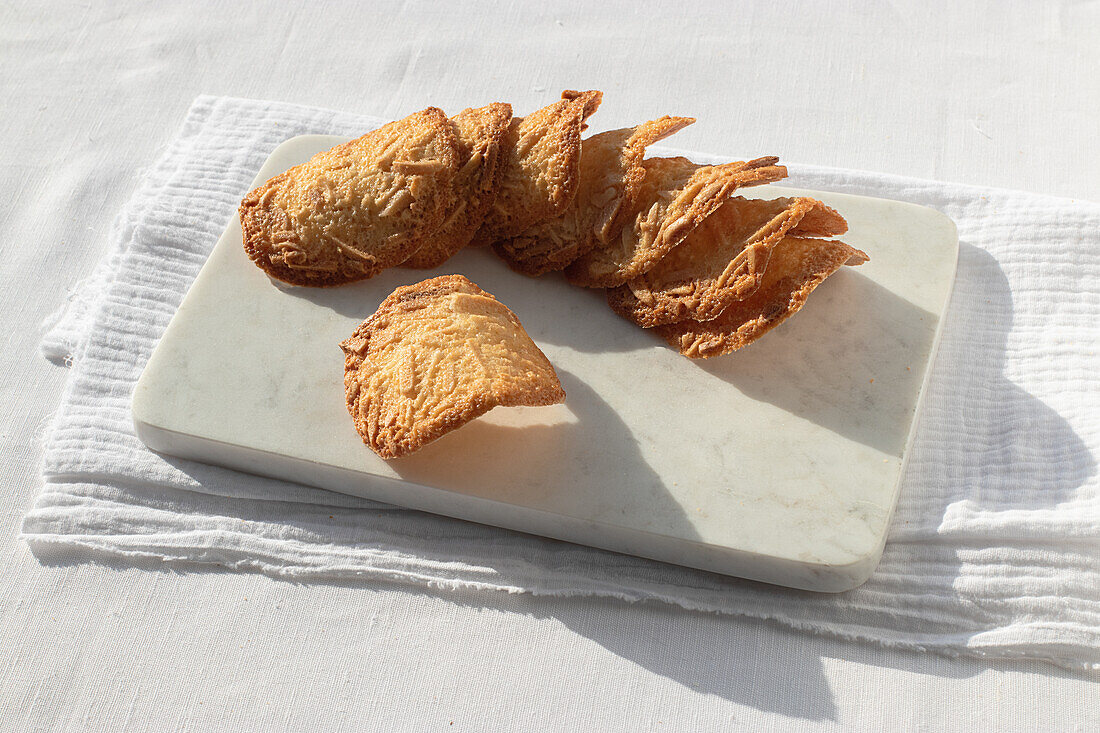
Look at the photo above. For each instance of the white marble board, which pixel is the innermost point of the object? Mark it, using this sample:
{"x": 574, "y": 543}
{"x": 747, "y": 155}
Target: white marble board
{"x": 780, "y": 463}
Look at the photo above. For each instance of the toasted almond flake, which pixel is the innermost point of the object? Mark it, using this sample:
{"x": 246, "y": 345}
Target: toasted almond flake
{"x": 417, "y": 167}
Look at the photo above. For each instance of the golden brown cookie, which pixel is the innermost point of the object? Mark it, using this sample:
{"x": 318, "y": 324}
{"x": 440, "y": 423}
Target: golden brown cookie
{"x": 675, "y": 196}
{"x": 797, "y": 266}
{"x": 722, "y": 261}
{"x": 480, "y": 134}
{"x": 352, "y": 211}
{"x": 610, "y": 177}
{"x": 434, "y": 356}
{"x": 541, "y": 168}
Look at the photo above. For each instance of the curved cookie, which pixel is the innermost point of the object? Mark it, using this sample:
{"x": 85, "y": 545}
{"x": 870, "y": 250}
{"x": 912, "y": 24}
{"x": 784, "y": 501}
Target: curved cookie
{"x": 722, "y": 261}
{"x": 611, "y": 175}
{"x": 541, "y": 165}
{"x": 480, "y": 133}
{"x": 675, "y": 196}
{"x": 434, "y": 356}
{"x": 352, "y": 211}
{"x": 797, "y": 266}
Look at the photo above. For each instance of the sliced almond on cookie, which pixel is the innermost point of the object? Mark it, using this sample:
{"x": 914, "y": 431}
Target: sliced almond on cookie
{"x": 480, "y": 133}
{"x": 722, "y": 261}
{"x": 797, "y": 266}
{"x": 434, "y": 356}
{"x": 541, "y": 168}
{"x": 611, "y": 176}
{"x": 350, "y": 212}
{"x": 674, "y": 198}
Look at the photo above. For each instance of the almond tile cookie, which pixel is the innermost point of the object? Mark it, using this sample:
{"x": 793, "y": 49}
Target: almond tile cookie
{"x": 797, "y": 266}
{"x": 541, "y": 169}
{"x": 434, "y": 356}
{"x": 350, "y": 212}
{"x": 722, "y": 261}
{"x": 675, "y": 197}
{"x": 611, "y": 175}
{"x": 480, "y": 133}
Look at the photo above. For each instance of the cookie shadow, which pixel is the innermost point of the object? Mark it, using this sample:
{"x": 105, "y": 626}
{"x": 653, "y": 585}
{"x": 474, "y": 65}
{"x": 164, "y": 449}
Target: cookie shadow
{"x": 551, "y": 310}
{"x": 1019, "y": 454}
{"x": 844, "y": 362}
{"x": 355, "y": 300}
{"x": 560, "y": 468}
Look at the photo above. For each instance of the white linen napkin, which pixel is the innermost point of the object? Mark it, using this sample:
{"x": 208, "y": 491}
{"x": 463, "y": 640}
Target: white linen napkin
{"x": 993, "y": 552}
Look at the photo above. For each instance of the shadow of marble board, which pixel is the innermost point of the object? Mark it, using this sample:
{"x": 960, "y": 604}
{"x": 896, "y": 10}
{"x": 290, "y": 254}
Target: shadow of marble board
{"x": 780, "y": 463}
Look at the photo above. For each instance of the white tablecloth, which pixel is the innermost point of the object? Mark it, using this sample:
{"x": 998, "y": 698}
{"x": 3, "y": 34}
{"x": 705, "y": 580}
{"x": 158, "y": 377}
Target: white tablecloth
{"x": 996, "y": 95}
